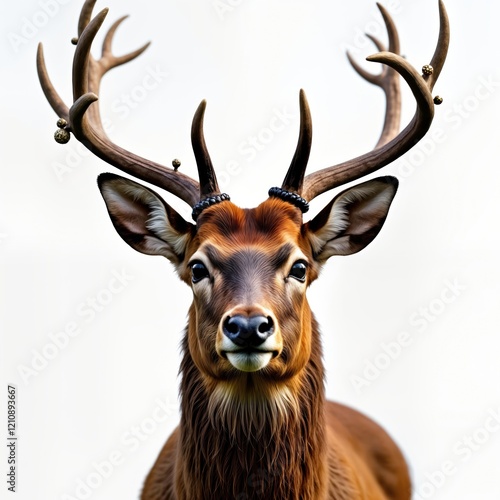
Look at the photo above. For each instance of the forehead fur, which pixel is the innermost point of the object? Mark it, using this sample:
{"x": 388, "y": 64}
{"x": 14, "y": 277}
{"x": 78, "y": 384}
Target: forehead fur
{"x": 273, "y": 221}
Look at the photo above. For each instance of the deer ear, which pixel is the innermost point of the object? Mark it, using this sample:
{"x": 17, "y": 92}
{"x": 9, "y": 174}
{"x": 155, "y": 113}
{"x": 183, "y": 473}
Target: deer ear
{"x": 144, "y": 220}
{"x": 352, "y": 219}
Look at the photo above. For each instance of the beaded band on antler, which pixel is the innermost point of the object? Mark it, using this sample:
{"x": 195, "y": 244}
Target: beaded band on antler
{"x": 290, "y": 197}
{"x": 208, "y": 202}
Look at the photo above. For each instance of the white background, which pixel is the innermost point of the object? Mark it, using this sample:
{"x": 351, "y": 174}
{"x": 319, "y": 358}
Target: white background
{"x": 58, "y": 249}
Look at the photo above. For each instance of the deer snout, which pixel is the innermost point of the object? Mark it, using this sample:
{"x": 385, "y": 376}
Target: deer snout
{"x": 248, "y": 331}
{"x": 249, "y": 338}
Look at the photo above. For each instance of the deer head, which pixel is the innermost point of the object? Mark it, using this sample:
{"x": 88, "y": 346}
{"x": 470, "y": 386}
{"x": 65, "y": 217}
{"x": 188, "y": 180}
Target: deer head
{"x": 251, "y": 333}
{"x": 248, "y": 269}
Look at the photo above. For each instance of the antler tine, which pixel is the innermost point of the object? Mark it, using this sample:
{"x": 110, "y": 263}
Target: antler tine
{"x": 387, "y": 80}
{"x": 83, "y": 61}
{"x": 392, "y": 31}
{"x": 439, "y": 57}
{"x": 421, "y": 87}
{"x": 370, "y": 77}
{"x": 206, "y": 172}
{"x": 83, "y": 118}
{"x": 295, "y": 176}
{"x": 113, "y": 61}
{"x": 50, "y": 92}
{"x": 87, "y": 72}
{"x": 85, "y": 15}
{"x": 394, "y": 46}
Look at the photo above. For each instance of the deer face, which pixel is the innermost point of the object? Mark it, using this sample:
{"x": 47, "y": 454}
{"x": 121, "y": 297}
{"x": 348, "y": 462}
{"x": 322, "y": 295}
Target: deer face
{"x": 248, "y": 268}
{"x": 249, "y": 275}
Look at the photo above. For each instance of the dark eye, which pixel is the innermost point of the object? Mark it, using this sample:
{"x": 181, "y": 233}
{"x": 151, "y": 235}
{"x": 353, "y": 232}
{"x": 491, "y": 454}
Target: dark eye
{"x": 198, "y": 271}
{"x": 299, "y": 270}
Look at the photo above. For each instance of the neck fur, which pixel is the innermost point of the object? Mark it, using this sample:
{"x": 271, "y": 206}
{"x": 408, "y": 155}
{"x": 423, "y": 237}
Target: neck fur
{"x": 253, "y": 438}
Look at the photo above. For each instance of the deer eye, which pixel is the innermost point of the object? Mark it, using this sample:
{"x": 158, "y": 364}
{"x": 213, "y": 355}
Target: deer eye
{"x": 299, "y": 270}
{"x": 198, "y": 271}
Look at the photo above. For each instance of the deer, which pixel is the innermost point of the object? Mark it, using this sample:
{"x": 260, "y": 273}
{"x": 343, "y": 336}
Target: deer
{"x": 255, "y": 423}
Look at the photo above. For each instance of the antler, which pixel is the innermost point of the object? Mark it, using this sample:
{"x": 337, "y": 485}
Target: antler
{"x": 295, "y": 175}
{"x": 84, "y": 121}
{"x": 387, "y": 80}
{"x": 391, "y": 145}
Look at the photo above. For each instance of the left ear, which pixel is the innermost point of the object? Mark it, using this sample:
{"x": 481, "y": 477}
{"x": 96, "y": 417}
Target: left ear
{"x": 144, "y": 220}
{"x": 352, "y": 219}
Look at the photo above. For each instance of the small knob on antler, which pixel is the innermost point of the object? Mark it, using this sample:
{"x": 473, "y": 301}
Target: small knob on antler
{"x": 62, "y": 136}
{"x": 74, "y": 40}
{"x": 427, "y": 70}
{"x": 176, "y": 164}
{"x": 438, "y": 100}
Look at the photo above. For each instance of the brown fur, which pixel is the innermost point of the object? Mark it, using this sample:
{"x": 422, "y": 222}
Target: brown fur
{"x": 267, "y": 434}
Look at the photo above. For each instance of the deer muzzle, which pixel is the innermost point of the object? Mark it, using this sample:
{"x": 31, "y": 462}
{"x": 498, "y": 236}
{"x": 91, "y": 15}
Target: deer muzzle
{"x": 249, "y": 338}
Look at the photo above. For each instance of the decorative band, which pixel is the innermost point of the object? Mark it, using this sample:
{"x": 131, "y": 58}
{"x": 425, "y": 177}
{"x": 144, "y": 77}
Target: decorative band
{"x": 290, "y": 197}
{"x": 208, "y": 202}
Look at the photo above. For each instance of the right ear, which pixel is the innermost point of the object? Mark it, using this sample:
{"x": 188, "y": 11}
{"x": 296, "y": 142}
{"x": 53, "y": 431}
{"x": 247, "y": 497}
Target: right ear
{"x": 352, "y": 219}
{"x": 144, "y": 220}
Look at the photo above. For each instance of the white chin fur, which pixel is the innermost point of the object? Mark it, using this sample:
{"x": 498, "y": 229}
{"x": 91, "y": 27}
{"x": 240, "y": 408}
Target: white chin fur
{"x": 246, "y": 362}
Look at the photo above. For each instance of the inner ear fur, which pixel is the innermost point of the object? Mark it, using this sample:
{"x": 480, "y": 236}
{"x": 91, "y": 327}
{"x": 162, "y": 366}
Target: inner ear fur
{"x": 352, "y": 219}
{"x": 143, "y": 219}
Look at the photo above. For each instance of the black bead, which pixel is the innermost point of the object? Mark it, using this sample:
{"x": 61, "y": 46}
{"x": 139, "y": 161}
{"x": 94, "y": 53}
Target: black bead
{"x": 293, "y": 198}
{"x": 208, "y": 202}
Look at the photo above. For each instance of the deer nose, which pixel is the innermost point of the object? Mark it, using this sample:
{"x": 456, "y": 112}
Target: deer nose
{"x": 248, "y": 331}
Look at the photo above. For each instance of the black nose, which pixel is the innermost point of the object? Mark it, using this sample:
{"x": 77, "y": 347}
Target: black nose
{"x": 248, "y": 331}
